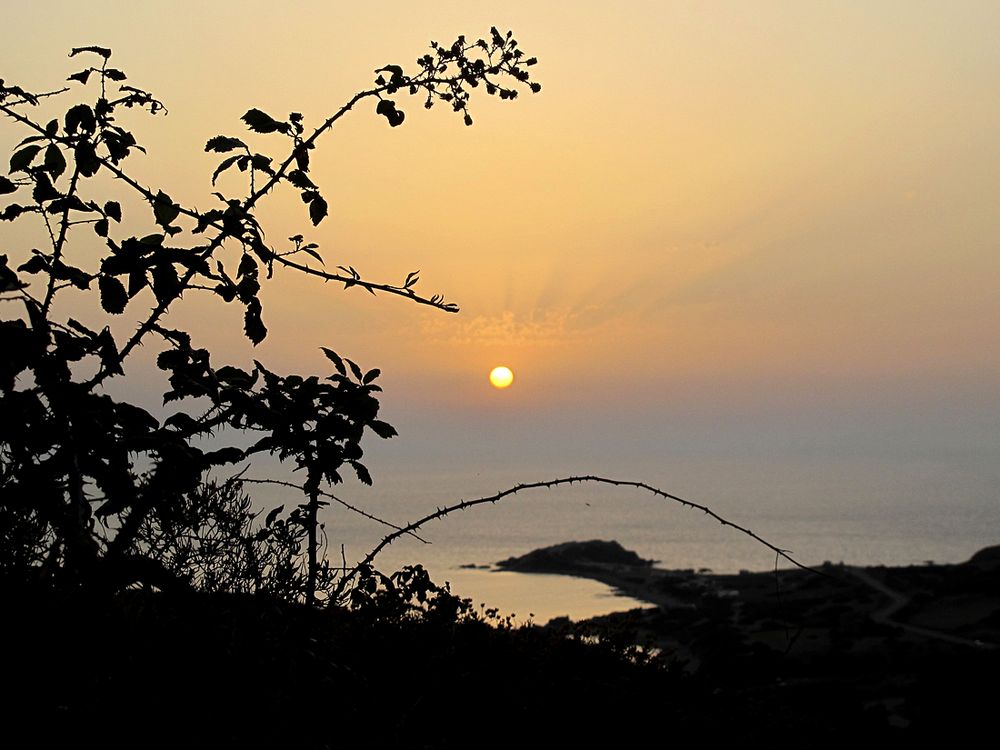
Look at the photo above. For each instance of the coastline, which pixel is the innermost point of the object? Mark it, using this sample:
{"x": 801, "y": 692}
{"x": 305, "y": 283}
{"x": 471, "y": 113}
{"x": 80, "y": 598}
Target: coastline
{"x": 872, "y": 626}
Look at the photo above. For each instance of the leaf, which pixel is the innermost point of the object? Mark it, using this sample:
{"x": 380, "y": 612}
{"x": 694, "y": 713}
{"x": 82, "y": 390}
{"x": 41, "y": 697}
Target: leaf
{"x": 6, "y": 186}
{"x": 101, "y": 227}
{"x": 308, "y": 250}
{"x": 113, "y": 210}
{"x": 13, "y": 211}
{"x": 317, "y": 209}
{"x": 382, "y": 429}
{"x": 335, "y": 358}
{"x": 355, "y": 369}
{"x": 301, "y": 155}
{"x": 114, "y": 74}
{"x": 55, "y": 162}
{"x": 222, "y": 144}
{"x": 82, "y": 76}
{"x": 272, "y": 516}
{"x": 8, "y": 279}
{"x": 370, "y": 376}
{"x": 102, "y": 51}
{"x": 164, "y": 209}
{"x": 299, "y": 179}
{"x": 166, "y": 284}
{"x": 20, "y": 161}
{"x": 136, "y": 281}
{"x": 362, "y": 472}
{"x": 113, "y": 296}
{"x": 43, "y": 189}
{"x": 86, "y": 159}
{"x": 262, "y": 163}
{"x": 254, "y": 327}
{"x": 81, "y": 117}
{"x": 247, "y": 267}
{"x": 224, "y": 165}
{"x": 261, "y": 122}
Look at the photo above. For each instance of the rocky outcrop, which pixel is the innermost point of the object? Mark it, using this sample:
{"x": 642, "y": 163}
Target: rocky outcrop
{"x": 571, "y": 556}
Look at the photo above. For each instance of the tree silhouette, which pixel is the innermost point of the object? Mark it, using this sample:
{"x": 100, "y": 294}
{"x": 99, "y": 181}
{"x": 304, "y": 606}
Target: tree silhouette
{"x": 96, "y": 490}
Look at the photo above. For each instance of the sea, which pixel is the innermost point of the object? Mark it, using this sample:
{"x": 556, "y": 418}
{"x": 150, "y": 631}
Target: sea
{"x": 861, "y": 509}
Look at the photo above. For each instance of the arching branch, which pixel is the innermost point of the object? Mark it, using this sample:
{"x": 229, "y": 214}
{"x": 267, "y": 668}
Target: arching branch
{"x": 492, "y": 499}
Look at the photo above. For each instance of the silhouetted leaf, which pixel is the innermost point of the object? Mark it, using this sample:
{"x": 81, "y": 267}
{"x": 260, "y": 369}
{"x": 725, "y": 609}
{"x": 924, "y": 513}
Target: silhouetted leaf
{"x": 370, "y": 376}
{"x": 66, "y": 203}
{"x": 382, "y": 429}
{"x": 102, "y": 51}
{"x": 335, "y": 358}
{"x": 166, "y": 284}
{"x": 113, "y": 296}
{"x": 301, "y": 155}
{"x": 254, "y": 327}
{"x": 20, "y": 161}
{"x": 82, "y": 76}
{"x": 261, "y": 122}
{"x": 8, "y": 279}
{"x": 86, "y": 159}
{"x": 111, "y": 362}
{"x": 262, "y": 163}
{"x": 101, "y": 227}
{"x": 114, "y": 74}
{"x": 354, "y": 369}
{"x": 43, "y": 189}
{"x": 362, "y": 472}
{"x": 272, "y": 516}
{"x": 248, "y": 266}
{"x": 317, "y": 209}
{"x": 224, "y": 165}
{"x": 222, "y": 144}
{"x": 80, "y": 117}
{"x": 299, "y": 179}
{"x": 164, "y": 209}
{"x": 13, "y": 211}
{"x": 6, "y": 186}
{"x": 137, "y": 281}
{"x": 113, "y": 210}
{"x": 55, "y": 162}
{"x": 309, "y": 250}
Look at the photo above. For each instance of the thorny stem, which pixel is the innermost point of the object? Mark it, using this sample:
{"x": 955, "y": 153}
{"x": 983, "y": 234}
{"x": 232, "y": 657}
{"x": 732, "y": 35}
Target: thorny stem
{"x": 491, "y": 499}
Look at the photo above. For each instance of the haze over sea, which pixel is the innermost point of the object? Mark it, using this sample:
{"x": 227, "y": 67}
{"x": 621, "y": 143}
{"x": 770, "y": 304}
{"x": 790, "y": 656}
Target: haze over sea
{"x": 890, "y": 492}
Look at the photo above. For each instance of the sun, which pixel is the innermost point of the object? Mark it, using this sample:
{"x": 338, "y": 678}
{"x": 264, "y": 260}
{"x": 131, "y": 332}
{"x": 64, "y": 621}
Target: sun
{"x": 501, "y": 377}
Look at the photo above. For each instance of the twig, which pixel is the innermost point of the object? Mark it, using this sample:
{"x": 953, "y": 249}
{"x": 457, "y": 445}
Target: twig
{"x": 344, "y": 503}
{"x": 465, "y": 504}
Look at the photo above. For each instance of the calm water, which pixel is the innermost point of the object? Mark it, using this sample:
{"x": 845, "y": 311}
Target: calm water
{"x": 856, "y": 509}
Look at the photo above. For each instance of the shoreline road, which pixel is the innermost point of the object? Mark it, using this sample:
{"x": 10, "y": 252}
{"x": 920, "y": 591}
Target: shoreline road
{"x": 897, "y": 601}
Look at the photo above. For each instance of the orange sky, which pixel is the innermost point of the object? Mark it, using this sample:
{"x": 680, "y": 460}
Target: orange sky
{"x": 708, "y": 203}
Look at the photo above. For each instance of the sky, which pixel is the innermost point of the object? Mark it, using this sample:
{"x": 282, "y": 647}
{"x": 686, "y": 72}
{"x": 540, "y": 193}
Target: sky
{"x": 720, "y": 226}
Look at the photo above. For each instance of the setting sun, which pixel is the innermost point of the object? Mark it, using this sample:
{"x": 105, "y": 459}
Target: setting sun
{"x": 501, "y": 377}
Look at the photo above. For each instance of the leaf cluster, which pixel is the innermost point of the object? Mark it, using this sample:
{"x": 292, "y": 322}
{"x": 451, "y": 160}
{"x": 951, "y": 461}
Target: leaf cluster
{"x": 90, "y": 481}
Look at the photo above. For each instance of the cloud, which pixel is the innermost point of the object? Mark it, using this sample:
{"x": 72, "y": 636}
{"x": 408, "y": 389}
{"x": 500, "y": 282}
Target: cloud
{"x": 540, "y": 326}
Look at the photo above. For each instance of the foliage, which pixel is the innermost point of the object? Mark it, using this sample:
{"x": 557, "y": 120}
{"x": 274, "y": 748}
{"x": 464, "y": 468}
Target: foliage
{"x": 97, "y": 490}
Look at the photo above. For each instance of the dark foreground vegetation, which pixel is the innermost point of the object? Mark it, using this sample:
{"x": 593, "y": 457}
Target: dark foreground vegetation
{"x": 817, "y": 665}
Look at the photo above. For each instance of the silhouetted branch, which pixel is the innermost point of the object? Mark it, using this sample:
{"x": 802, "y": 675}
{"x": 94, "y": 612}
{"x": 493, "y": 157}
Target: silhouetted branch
{"x": 491, "y": 499}
{"x": 344, "y": 503}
